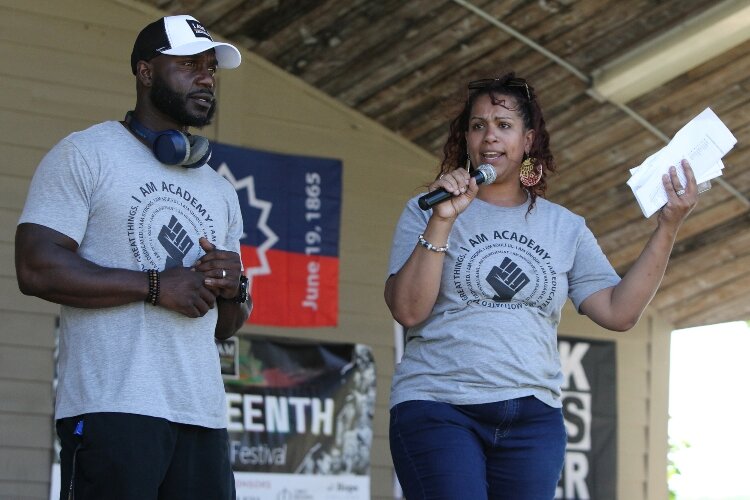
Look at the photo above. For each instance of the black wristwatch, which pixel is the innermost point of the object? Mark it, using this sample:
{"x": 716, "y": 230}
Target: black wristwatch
{"x": 242, "y": 293}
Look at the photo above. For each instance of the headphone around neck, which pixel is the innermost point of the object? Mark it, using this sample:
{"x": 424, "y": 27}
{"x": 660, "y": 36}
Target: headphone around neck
{"x": 172, "y": 146}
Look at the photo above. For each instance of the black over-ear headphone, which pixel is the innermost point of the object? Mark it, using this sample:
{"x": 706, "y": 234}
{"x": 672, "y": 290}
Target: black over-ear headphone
{"x": 172, "y": 146}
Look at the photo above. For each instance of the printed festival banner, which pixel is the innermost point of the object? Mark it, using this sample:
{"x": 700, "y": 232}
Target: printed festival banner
{"x": 291, "y": 207}
{"x": 300, "y": 417}
{"x": 589, "y": 395}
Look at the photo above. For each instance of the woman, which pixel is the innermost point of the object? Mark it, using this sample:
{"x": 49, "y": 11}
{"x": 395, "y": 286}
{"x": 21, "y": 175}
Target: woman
{"x": 479, "y": 281}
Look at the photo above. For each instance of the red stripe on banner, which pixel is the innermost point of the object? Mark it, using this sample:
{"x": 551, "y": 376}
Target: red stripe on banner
{"x": 300, "y": 290}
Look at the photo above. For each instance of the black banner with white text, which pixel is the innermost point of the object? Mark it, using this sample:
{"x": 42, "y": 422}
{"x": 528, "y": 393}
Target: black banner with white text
{"x": 590, "y": 409}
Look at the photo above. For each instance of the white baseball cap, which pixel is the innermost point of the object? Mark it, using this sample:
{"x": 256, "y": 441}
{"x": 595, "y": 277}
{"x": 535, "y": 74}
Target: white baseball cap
{"x": 180, "y": 36}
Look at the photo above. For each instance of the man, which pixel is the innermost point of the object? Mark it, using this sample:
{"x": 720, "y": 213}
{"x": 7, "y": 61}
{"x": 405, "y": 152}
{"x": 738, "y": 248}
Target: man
{"x": 139, "y": 243}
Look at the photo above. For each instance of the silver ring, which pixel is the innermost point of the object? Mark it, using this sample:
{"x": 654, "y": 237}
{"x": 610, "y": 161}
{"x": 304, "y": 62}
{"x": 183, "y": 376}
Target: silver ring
{"x": 680, "y": 192}
{"x": 223, "y": 273}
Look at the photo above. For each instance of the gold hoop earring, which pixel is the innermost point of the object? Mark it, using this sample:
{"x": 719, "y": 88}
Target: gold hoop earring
{"x": 529, "y": 174}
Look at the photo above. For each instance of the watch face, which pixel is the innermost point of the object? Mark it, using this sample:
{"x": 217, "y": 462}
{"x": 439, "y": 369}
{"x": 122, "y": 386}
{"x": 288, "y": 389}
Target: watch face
{"x": 242, "y": 294}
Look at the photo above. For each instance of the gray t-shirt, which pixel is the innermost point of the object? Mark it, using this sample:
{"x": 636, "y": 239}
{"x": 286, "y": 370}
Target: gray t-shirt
{"x": 105, "y": 190}
{"x": 492, "y": 334}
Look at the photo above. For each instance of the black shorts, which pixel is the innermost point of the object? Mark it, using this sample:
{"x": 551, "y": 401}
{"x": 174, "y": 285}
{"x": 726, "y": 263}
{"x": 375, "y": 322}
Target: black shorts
{"x": 122, "y": 456}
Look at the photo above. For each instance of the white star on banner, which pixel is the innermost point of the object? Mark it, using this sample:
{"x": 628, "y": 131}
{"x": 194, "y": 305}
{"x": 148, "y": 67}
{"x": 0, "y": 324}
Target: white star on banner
{"x": 265, "y": 209}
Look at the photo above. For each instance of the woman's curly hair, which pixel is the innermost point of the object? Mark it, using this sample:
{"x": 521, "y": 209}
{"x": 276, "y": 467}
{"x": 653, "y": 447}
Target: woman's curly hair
{"x": 455, "y": 150}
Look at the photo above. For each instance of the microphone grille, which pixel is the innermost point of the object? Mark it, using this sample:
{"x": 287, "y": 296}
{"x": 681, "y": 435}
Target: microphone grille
{"x": 489, "y": 173}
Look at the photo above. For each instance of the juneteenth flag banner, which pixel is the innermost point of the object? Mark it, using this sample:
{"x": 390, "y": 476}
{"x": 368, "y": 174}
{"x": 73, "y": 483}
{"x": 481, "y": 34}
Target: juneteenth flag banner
{"x": 291, "y": 209}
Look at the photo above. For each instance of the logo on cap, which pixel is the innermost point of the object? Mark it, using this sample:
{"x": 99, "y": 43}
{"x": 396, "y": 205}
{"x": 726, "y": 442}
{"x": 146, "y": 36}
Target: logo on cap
{"x": 198, "y": 29}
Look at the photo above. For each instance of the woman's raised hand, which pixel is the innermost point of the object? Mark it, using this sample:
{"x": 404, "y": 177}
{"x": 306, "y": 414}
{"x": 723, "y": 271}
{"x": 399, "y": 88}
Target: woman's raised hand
{"x": 462, "y": 186}
{"x": 680, "y": 199}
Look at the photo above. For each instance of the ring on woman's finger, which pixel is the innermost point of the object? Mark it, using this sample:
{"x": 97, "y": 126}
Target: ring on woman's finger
{"x": 680, "y": 192}
{"x": 223, "y": 273}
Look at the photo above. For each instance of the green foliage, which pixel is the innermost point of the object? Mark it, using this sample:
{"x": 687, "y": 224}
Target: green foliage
{"x": 675, "y": 447}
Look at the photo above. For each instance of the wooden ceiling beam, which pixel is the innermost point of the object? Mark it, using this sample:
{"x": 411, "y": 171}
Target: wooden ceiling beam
{"x": 624, "y": 247}
{"x": 735, "y": 309}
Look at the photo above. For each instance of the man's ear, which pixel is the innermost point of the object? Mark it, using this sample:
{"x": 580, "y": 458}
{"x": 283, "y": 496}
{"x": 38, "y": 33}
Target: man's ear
{"x": 143, "y": 72}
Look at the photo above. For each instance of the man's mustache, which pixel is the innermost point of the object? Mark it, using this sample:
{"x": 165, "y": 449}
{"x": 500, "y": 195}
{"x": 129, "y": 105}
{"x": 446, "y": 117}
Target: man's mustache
{"x": 205, "y": 94}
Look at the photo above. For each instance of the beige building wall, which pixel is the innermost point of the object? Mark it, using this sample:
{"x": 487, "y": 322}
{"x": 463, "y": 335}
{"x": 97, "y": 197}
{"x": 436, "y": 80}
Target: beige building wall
{"x": 66, "y": 67}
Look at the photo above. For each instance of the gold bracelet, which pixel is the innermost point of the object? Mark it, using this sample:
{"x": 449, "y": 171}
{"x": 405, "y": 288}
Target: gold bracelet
{"x": 430, "y": 246}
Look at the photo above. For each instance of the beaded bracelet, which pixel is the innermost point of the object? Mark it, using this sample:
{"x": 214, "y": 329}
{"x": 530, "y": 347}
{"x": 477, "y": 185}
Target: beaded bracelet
{"x": 430, "y": 246}
{"x": 153, "y": 286}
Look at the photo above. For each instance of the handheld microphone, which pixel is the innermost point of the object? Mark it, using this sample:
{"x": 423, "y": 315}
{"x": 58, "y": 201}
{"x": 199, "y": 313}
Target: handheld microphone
{"x": 483, "y": 174}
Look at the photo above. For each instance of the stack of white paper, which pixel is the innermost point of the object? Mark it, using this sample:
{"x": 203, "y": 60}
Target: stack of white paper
{"x": 702, "y": 142}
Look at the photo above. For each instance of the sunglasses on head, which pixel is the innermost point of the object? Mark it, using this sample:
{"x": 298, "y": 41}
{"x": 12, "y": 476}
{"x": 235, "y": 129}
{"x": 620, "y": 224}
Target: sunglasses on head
{"x": 489, "y": 82}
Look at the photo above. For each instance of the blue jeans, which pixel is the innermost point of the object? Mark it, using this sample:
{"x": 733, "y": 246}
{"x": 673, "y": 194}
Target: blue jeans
{"x": 508, "y": 450}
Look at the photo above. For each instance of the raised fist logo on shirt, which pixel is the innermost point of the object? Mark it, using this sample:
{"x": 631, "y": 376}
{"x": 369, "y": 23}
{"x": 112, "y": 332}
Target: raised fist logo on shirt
{"x": 176, "y": 242}
{"x": 506, "y": 280}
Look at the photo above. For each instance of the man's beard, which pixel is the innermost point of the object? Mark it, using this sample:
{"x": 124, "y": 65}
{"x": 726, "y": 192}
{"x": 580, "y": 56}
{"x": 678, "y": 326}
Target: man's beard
{"x": 174, "y": 105}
